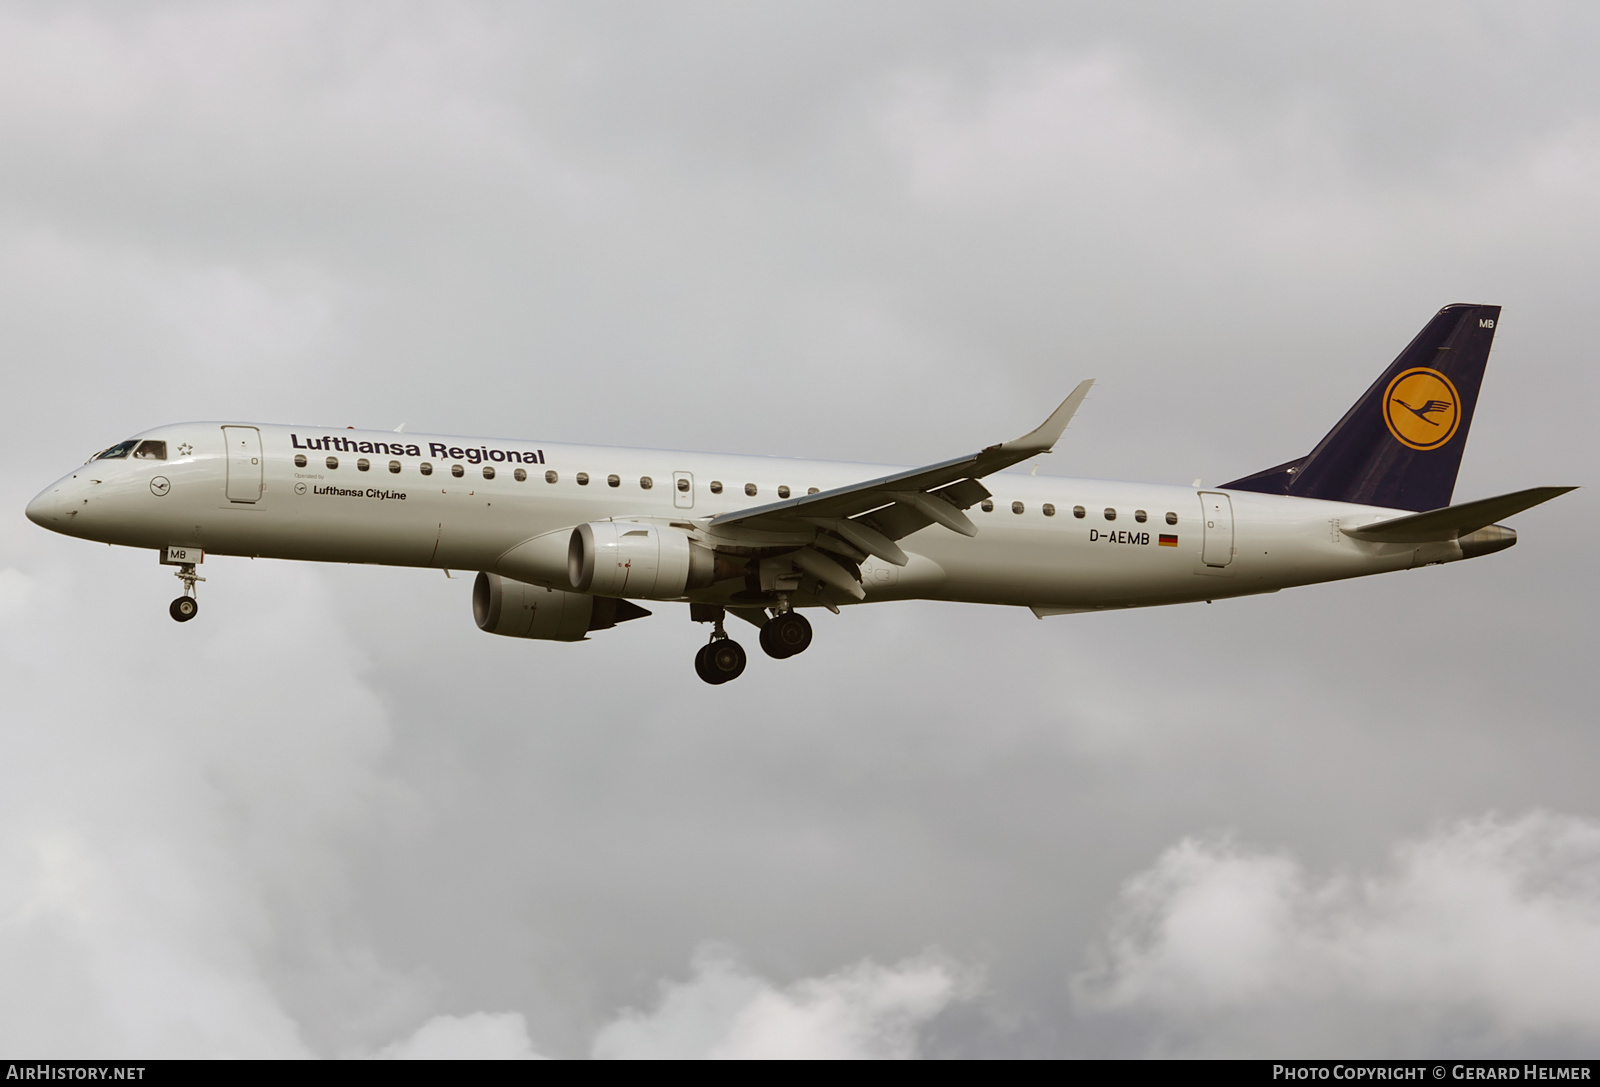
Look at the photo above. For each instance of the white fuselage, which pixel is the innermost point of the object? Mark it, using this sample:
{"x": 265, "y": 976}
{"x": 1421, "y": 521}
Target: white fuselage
{"x": 219, "y": 491}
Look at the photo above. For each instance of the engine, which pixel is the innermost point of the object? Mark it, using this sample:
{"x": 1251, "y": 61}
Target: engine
{"x": 518, "y": 610}
{"x": 626, "y": 558}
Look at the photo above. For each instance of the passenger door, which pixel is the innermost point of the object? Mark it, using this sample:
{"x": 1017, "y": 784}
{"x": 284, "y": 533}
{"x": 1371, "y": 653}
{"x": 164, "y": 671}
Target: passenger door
{"x": 244, "y": 463}
{"x": 1216, "y": 511}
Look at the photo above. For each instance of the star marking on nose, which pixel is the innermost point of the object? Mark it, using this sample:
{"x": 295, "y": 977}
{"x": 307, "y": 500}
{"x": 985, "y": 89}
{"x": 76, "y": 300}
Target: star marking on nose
{"x": 185, "y": 449}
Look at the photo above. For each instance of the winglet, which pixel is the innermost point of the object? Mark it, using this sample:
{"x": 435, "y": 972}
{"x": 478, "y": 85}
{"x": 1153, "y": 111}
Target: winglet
{"x": 1044, "y": 437}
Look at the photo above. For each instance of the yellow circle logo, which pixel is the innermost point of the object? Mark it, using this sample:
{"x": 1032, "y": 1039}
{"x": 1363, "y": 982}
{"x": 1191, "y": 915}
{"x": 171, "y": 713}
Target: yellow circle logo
{"x": 1422, "y": 408}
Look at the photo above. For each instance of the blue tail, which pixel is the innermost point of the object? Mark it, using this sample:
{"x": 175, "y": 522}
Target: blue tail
{"x": 1400, "y": 446}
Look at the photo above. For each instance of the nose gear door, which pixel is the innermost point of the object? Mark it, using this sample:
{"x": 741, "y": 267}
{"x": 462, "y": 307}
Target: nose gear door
{"x": 244, "y": 463}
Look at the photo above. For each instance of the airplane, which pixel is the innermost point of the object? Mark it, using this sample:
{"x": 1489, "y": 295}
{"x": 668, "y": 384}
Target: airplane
{"x": 566, "y": 538}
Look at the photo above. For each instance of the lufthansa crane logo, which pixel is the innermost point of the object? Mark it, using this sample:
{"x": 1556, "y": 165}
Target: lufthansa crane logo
{"x": 1422, "y": 408}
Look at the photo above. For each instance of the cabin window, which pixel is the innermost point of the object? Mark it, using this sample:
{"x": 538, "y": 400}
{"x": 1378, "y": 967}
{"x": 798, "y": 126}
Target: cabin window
{"x": 550, "y": 476}
{"x": 750, "y": 489}
{"x": 394, "y": 467}
{"x": 1141, "y": 516}
{"x": 716, "y": 486}
{"x": 645, "y": 483}
{"x": 783, "y": 492}
{"x": 583, "y": 479}
{"x": 987, "y": 505}
{"x": 151, "y": 451}
{"x": 520, "y": 475}
{"x": 299, "y": 460}
{"x": 363, "y": 464}
{"x": 1111, "y": 514}
{"x": 1079, "y": 511}
{"x": 457, "y": 470}
{"x": 1172, "y": 518}
{"x": 488, "y": 471}
{"x": 811, "y": 490}
{"x": 1049, "y": 509}
{"x": 683, "y": 485}
{"x": 1016, "y": 507}
{"x": 333, "y": 462}
{"x": 613, "y": 481}
{"x": 425, "y": 468}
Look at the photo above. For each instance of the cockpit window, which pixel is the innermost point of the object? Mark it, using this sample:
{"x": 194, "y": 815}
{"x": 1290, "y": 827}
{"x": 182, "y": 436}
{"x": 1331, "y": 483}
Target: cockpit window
{"x": 151, "y": 451}
{"x": 121, "y": 449}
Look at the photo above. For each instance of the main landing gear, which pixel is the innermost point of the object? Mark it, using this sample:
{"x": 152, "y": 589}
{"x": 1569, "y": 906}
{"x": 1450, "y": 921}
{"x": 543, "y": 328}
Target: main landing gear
{"x": 187, "y": 606}
{"x": 784, "y": 635}
{"x": 720, "y": 660}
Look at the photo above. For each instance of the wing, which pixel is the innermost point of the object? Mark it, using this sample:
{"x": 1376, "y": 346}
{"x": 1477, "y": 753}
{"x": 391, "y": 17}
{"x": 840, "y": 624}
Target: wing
{"x": 866, "y": 518}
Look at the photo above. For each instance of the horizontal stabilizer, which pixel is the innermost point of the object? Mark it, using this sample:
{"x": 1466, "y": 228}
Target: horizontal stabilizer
{"x": 1454, "y": 522}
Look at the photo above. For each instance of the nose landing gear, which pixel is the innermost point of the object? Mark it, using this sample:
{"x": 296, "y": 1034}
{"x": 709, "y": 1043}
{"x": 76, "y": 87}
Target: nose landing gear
{"x": 187, "y": 606}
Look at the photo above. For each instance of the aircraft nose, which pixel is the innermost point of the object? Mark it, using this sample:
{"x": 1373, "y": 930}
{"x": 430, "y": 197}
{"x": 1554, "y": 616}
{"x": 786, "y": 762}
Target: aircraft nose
{"x": 48, "y": 508}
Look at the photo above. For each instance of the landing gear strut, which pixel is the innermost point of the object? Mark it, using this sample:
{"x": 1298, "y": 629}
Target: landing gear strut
{"x": 187, "y": 606}
{"x": 722, "y": 658}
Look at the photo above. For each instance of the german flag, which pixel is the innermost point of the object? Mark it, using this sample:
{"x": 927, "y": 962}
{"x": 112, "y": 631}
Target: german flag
{"x": 1168, "y": 540}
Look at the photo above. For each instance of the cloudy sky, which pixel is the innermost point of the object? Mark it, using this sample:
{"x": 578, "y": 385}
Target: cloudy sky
{"x": 333, "y": 818}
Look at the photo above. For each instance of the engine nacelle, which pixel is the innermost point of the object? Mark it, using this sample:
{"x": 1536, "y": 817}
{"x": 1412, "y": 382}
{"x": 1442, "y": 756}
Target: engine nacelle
{"x": 519, "y": 610}
{"x": 627, "y": 558}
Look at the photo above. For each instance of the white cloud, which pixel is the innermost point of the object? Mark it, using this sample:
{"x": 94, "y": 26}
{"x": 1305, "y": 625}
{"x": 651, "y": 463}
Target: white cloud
{"x": 726, "y": 1012}
{"x": 1484, "y": 936}
{"x": 481, "y": 1036}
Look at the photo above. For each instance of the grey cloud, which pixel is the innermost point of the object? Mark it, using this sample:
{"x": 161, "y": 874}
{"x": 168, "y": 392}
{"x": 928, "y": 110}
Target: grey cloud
{"x": 165, "y": 826}
{"x": 331, "y": 810}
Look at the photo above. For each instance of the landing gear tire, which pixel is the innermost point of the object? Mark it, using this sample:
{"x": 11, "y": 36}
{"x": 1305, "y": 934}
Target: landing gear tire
{"x": 184, "y": 608}
{"x": 720, "y": 661}
{"x": 786, "y": 635}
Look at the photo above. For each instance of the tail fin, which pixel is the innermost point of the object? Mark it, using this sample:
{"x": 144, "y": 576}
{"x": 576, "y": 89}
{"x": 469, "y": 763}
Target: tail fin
{"x": 1400, "y": 446}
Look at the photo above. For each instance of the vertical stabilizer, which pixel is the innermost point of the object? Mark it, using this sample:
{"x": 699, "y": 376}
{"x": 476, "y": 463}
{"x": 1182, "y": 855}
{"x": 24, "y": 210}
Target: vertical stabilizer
{"x": 1401, "y": 445}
